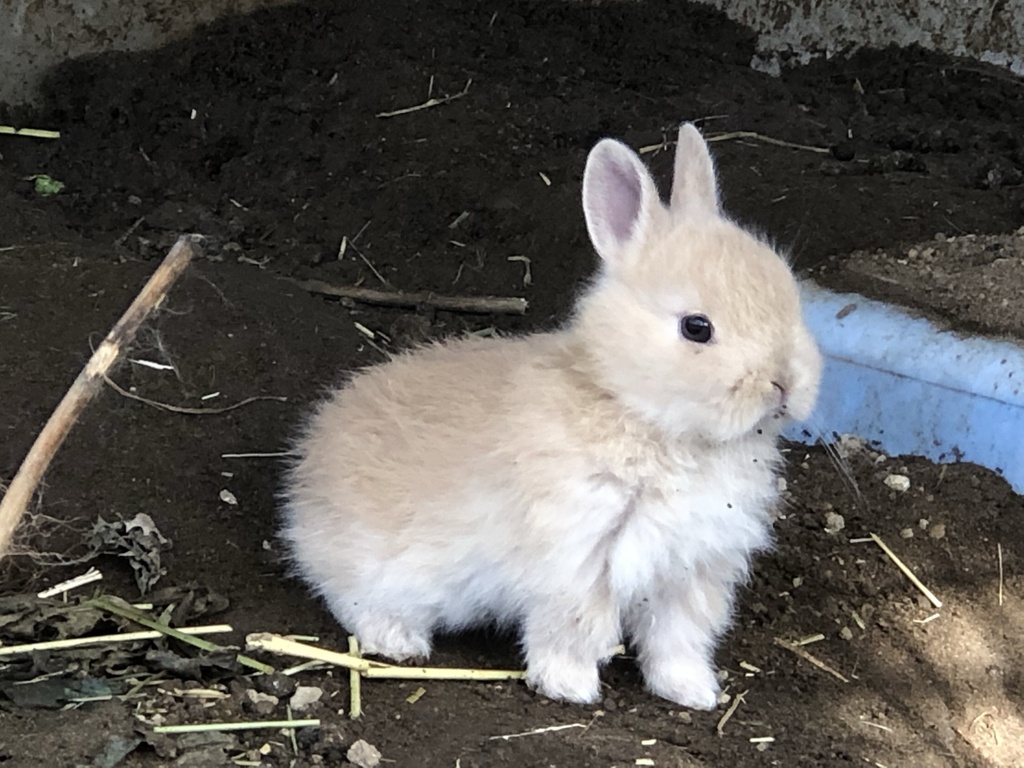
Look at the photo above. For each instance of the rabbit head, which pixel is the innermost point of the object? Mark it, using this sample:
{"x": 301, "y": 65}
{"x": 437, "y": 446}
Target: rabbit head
{"x": 692, "y": 322}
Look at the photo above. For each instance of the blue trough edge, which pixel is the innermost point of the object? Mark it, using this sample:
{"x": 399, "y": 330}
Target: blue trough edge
{"x": 910, "y": 388}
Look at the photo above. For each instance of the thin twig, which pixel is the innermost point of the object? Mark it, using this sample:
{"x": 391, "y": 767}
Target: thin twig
{"x": 907, "y": 572}
{"x": 85, "y": 387}
{"x": 766, "y": 140}
{"x": 487, "y": 305}
{"x": 730, "y": 712}
{"x": 663, "y": 145}
{"x": 428, "y": 103}
{"x": 792, "y": 648}
{"x": 186, "y": 409}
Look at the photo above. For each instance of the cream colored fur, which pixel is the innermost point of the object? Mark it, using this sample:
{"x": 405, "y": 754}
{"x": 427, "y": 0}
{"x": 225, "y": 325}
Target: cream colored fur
{"x": 609, "y": 480}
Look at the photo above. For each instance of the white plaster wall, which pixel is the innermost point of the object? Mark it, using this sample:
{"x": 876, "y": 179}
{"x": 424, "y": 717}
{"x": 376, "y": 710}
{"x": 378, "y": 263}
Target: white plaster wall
{"x": 987, "y": 30}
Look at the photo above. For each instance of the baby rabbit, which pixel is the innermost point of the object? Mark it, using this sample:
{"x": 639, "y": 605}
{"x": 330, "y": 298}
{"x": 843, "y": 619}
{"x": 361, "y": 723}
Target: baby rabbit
{"x": 610, "y": 479}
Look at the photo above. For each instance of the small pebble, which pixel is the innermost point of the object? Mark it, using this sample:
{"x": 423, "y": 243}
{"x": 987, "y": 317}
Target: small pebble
{"x": 846, "y": 633}
{"x": 261, "y": 703}
{"x": 304, "y": 696}
{"x": 907, "y": 533}
{"x": 277, "y": 685}
{"x": 899, "y": 483}
{"x": 363, "y": 755}
{"x": 937, "y": 531}
{"x": 834, "y": 522}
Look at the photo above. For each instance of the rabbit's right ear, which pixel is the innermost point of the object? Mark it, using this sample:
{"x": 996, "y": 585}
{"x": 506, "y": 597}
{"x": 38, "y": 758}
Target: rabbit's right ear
{"x": 694, "y": 187}
{"x": 619, "y": 200}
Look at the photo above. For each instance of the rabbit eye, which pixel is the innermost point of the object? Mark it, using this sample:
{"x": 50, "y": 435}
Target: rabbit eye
{"x": 695, "y": 328}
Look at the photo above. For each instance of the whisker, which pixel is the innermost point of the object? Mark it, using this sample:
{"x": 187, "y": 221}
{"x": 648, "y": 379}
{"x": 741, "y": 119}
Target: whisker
{"x": 841, "y": 465}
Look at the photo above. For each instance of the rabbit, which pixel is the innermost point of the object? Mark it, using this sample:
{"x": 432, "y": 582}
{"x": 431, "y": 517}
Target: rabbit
{"x": 605, "y": 481}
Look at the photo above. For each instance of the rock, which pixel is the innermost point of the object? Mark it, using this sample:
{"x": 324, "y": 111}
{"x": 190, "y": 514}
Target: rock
{"x": 834, "y": 522}
{"x": 304, "y": 696}
{"x": 261, "y": 703}
{"x": 363, "y": 755}
{"x": 937, "y": 531}
{"x": 278, "y": 685}
{"x": 899, "y": 483}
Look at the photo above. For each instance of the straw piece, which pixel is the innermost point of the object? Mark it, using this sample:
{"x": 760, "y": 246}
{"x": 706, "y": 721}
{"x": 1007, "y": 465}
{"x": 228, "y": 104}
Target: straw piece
{"x": 119, "y": 637}
{"x": 907, "y": 572}
{"x": 355, "y": 683}
{"x": 205, "y": 727}
{"x": 139, "y": 617}
{"x": 442, "y": 673}
{"x": 793, "y": 648}
{"x": 33, "y": 133}
{"x": 66, "y": 586}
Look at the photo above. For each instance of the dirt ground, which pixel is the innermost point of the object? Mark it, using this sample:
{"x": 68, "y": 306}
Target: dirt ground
{"x": 269, "y": 135}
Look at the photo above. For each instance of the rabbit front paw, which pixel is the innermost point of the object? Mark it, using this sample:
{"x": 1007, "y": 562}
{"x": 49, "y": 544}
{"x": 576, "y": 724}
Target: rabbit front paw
{"x": 692, "y": 684}
{"x": 561, "y": 677}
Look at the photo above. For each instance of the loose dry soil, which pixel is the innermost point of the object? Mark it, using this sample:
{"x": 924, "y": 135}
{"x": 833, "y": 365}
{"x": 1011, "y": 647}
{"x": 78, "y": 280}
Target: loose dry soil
{"x": 266, "y": 135}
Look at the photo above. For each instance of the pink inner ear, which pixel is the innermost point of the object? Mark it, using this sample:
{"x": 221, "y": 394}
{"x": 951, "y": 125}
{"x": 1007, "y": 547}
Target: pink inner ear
{"x": 617, "y": 198}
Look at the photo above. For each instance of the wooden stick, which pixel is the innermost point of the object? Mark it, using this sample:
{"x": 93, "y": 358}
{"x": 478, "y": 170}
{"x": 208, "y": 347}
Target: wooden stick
{"x": 118, "y": 637}
{"x": 907, "y": 572}
{"x": 484, "y": 305}
{"x": 85, "y": 387}
{"x": 793, "y": 648}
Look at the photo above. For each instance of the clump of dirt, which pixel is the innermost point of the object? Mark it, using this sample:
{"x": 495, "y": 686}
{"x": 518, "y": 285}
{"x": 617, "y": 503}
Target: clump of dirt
{"x": 969, "y": 283}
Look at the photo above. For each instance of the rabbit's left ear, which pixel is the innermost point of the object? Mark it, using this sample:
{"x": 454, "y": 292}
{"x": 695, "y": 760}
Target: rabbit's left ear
{"x": 620, "y": 200}
{"x": 694, "y": 188}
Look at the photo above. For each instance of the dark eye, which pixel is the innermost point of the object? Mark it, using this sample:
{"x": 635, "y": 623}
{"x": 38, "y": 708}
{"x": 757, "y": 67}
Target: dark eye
{"x": 695, "y": 328}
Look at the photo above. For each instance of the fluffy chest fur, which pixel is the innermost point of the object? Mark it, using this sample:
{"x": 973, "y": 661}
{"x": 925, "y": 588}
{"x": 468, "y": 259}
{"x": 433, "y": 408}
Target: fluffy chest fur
{"x": 628, "y": 508}
{"x": 698, "y": 512}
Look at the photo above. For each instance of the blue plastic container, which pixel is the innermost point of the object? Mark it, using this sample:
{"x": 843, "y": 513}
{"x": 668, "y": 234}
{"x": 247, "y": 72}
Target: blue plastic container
{"x": 908, "y": 387}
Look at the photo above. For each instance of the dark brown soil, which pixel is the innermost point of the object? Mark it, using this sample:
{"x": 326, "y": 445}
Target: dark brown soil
{"x": 263, "y": 134}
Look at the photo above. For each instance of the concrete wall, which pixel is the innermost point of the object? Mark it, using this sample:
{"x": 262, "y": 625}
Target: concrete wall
{"x": 36, "y": 34}
{"x": 987, "y": 30}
